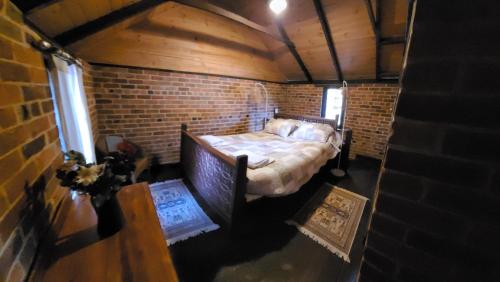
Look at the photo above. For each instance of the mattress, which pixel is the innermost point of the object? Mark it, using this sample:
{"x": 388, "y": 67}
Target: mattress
{"x": 295, "y": 161}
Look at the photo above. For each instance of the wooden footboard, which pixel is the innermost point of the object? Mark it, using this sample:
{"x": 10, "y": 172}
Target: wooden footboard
{"x": 220, "y": 180}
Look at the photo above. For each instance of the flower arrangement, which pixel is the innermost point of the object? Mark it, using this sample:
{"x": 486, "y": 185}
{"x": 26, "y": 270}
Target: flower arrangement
{"x": 100, "y": 181}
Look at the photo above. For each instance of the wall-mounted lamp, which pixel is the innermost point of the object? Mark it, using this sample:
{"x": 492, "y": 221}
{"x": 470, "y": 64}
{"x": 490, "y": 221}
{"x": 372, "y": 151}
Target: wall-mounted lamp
{"x": 278, "y": 6}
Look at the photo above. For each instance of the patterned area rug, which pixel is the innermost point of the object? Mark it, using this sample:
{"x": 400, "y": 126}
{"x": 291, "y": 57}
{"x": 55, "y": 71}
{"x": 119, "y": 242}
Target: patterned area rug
{"x": 180, "y": 216}
{"x": 331, "y": 218}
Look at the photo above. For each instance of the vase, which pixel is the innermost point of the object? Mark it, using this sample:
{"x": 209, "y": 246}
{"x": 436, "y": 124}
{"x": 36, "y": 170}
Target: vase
{"x": 110, "y": 218}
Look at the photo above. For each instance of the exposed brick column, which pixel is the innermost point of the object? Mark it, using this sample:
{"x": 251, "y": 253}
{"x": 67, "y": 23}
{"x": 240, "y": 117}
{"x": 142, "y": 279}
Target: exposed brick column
{"x": 29, "y": 147}
{"x": 437, "y": 215}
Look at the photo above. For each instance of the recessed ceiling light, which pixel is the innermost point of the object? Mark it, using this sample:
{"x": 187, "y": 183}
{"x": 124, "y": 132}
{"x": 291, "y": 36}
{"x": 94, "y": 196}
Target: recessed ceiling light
{"x": 277, "y": 6}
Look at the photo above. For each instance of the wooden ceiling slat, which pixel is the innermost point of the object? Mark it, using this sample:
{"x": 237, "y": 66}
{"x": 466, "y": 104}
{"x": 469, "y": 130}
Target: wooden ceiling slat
{"x": 357, "y": 47}
{"x": 377, "y": 39}
{"x": 282, "y": 37}
{"x": 328, "y": 36}
{"x": 89, "y": 28}
{"x": 375, "y": 21}
{"x": 354, "y": 38}
{"x": 181, "y": 38}
{"x": 294, "y": 52}
{"x": 205, "y": 6}
{"x": 394, "y": 16}
{"x": 303, "y": 27}
{"x": 391, "y": 59}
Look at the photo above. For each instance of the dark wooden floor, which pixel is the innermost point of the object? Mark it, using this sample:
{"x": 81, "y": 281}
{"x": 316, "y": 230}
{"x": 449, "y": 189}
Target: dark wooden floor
{"x": 271, "y": 250}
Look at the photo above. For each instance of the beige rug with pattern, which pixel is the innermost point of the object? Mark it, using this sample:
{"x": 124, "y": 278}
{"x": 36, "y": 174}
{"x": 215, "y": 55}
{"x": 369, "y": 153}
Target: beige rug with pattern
{"x": 331, "y": 218}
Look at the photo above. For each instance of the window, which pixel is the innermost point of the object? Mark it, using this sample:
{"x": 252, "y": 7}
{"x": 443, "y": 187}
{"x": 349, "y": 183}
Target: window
{"x": 72, "y": 115}
{"x": 333, "y": 103}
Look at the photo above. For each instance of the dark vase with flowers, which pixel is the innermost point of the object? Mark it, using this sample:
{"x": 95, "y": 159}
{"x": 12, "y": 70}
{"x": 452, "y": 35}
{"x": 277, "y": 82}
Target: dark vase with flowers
{"x": 101, "y": 182}
{"x": 109, "y": 216}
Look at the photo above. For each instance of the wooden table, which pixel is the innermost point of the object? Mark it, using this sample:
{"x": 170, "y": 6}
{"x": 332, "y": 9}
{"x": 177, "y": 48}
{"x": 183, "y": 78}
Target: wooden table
{"x": 138, "y": 252}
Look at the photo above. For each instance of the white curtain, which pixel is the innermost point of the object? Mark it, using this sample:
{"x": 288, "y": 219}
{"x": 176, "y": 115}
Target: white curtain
{"x": 72, "y": 111}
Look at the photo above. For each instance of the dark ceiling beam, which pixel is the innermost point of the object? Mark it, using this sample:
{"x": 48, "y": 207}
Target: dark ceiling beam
{"x": 96, "y": 25}
{"x": 294, "y": 52}
{"x": 42, "y": 35}
{"x": 205, "y": 6}
{"x": 92, "y": 27}
{"x": 375, "y": 22}
{"x": 386, "y": 76}
{"x": 328, "y": 36}
{"x": 371, "y": 15}
{"x": 392, "y": 40}
{"x": 28, "y": 6}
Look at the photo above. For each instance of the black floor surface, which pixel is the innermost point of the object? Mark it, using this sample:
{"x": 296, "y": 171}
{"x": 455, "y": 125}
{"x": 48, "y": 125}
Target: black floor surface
{"x": 271, "y": 250}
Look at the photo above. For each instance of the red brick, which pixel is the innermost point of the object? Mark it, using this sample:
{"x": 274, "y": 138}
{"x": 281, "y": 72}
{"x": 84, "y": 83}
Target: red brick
{"x": 13, "y": 72}
{"x": 34, "y": 146}
{"x": 47, "y": 156}
{"x": 14, "y": 13}
{"x": 31, "y": 93}
{"x": 5, "y": 49}
{"x": 9, "y": 164}
{"x": 27, "y": 56}
{"x": 14, "y": 187}
{"x": 35, "y": 109}
{"x": 11, "y": 30}
{"x": 38, "y": 126}
{"x": 10, "y": 94}
{"x": 52, "y": 135}
{"x": 38, "y": 75}
{"x": 47, "y": 106}
{"x": 8, "y": 117}
{"x": 12, "y": 138}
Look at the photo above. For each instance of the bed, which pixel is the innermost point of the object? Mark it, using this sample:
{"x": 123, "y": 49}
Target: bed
{"x": 224, "y": 180}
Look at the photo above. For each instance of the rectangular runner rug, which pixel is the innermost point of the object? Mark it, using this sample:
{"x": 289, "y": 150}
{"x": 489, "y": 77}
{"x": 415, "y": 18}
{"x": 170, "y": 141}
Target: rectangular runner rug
{"x": 180, "y": 215}
{"x": 331, "y": 218}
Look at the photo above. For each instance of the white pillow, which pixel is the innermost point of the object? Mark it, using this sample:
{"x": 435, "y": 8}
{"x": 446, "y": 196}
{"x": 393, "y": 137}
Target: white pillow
{"x": 309, "y": 131}
{"x": 281, "y": 127}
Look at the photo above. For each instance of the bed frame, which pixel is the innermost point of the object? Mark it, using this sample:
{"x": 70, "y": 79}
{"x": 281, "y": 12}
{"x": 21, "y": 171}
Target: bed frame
{"x": 220, "y": 180}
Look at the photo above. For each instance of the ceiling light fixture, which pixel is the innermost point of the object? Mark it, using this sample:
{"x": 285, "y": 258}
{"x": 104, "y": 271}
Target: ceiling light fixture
{"x": 277, "y": 6}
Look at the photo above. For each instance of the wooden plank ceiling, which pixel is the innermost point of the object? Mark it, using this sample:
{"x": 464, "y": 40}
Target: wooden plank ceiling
{"x": 328, "y": 39}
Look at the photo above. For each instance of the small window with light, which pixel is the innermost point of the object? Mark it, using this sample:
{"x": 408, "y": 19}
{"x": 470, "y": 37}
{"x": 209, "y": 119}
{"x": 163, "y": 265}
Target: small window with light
{"x": 333, "y": 103}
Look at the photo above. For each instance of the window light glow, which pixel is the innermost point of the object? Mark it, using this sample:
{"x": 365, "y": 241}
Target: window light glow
{"x": 82, "y": 121}
{"x": 334, "y": 103}
{"x": 278, "y": 6}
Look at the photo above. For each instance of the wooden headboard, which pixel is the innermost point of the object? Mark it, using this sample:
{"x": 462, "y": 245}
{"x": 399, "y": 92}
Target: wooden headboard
{"x": 332, "y": 122}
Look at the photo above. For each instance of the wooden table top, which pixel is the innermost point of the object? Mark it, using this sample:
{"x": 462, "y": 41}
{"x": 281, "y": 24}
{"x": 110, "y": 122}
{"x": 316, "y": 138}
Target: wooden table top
{"x": 138, "y": 252}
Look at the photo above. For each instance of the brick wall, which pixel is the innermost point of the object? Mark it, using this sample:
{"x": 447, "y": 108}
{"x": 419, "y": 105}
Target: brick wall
{"x": 29, "y": 147}
{"x": 437, "y": 215}
{"x": 88, "y": 83}
{"x": 148, "y": 106}
{"x": 369, "y": 113}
